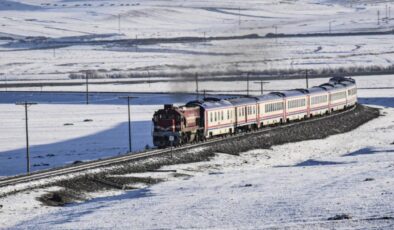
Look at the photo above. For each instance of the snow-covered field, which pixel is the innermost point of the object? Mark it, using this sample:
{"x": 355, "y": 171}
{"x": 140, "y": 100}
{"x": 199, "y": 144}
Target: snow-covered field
{"x": 297, "y": 185}
{"x": 71, "y": 26}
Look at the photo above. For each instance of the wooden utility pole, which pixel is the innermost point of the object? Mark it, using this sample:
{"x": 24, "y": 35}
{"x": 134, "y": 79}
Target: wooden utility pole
{"x": 26, "y": 105}
{"x": 129, "y": 116}
{"x": 306, "y": 78}
{"x": 197, "y": 96}
{"x": 87, "y": 87}
{"x": 119, "y": 23}
{"x": 247, "y": 84}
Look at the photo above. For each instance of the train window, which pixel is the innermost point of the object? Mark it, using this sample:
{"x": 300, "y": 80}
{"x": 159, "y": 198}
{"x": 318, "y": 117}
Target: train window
{"x": 210, "y": 117}
{"x": 216, "y": 114}
{"x": 228, "y": 114}
{"x": 222, "y": 116}
{"x": 296, "y": 103}
{"x": 339, "y": 95}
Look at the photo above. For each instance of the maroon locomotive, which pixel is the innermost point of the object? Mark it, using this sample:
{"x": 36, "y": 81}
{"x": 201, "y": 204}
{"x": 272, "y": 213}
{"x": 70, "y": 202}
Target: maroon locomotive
{"x": 176, "y": 125}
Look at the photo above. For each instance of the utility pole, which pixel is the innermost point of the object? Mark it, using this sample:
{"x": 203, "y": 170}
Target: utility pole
{"x": 276, "y": 33}
{"x": 239, "y": 16}
{"x": 261, "y": 85}
{"x": 387, "y": 15}
{"x": 26, "y": 105}
{"x": 306, "y": 78}
{"x": 148, "y": 78}
{"x": 87, "y": 87}
{"x": 129, "y": 116}
{"x": 197, "y": 86}
{"x": 247, "y": 84}
{"x": 118, "y": 23}
{"x": 5, "y": 82}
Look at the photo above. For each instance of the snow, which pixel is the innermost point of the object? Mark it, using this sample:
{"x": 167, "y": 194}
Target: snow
{"x": 296, "y": 185}
{"x": 74, "y": 21}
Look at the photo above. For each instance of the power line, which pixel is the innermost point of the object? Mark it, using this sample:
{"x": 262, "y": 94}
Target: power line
{"x": 26, "y": 105}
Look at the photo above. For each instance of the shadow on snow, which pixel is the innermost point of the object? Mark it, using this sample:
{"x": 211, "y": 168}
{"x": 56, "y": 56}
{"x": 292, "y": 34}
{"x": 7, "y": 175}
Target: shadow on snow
{"x": 367, "y": 151}
{"x": 103, "y": 144}
{"x": 312, "y": 162}
{"x": 380, "y": 101}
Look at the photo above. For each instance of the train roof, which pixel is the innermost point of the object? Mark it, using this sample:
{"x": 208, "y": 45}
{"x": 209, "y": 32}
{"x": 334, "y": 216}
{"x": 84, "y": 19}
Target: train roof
{"x": 327, "y": 86}
{"x": 242, "y": 100}
{"x": 316, "y": 90}
{"x": 294, "y": 92}
{"x": 347, "y": 83}
{"x": 332, "y": 86}
{"x": 339, "y": 86}
{"x": 270, "y": 97}
{"x": 210, "y": 103}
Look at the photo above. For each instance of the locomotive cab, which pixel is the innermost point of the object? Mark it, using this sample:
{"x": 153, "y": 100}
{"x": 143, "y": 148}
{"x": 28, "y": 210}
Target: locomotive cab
{"x": 180, "y": 123}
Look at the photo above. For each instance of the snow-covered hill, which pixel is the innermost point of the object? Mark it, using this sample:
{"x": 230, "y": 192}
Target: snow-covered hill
{"x": 46, "y": 41}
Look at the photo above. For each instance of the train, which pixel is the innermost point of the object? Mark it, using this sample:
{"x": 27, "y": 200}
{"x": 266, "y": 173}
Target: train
{"x": 211, "y": 117}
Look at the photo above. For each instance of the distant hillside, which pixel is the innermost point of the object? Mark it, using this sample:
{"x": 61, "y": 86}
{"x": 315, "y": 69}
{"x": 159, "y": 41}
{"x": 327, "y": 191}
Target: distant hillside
{"x": 11, "y": 5}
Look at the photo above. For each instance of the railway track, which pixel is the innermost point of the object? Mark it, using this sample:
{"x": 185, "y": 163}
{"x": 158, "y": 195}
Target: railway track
{"x": 138, "y": 156}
